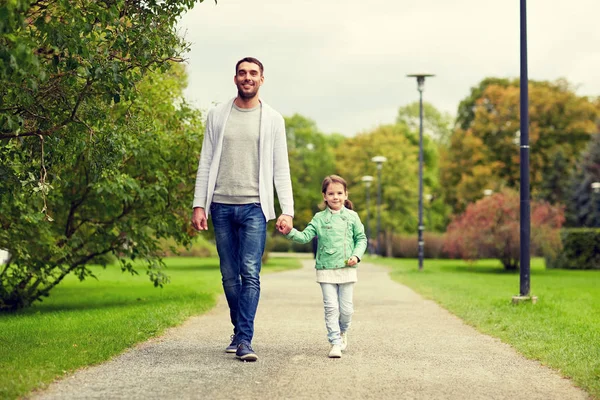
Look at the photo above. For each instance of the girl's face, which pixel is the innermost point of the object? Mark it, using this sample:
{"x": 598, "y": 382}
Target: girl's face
{"x": 335, "y": 195}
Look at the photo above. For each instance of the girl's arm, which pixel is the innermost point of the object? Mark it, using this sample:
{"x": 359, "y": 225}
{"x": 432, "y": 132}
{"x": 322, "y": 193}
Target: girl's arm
{"x": 360, "y": 239}
{"x": 305, "y": 236}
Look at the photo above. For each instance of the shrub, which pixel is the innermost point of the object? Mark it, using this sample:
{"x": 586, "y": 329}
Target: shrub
{"x": 199, "y": 247}
{"x": 490, "y": 228}
{"x": 580, "y": 250}
{"x": 279, "y": 244}
{"x": 404, "y": 246}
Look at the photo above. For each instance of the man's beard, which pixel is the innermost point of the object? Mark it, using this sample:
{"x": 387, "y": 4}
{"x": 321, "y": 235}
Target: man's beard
{"x": 247, "y": 95}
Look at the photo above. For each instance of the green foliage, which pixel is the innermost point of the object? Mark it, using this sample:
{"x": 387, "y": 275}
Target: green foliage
{"x": 311, "y": 159}
{"x": 580, "y": 249}
{"x": 561, "y": 331}
{"x": 399, "y": 175}
{"x": 483, "y": 152}
{"x": 436, "y": 124}
{"x": 118, "y": 189}
{"x": 583, "y": 204}
{"x": 97, "y": 145}
{"x": 490, "y": 228}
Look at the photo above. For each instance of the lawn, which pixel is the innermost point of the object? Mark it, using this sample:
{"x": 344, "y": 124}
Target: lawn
{"x": 84, "y": 323}
{"x": 561, "y": 331}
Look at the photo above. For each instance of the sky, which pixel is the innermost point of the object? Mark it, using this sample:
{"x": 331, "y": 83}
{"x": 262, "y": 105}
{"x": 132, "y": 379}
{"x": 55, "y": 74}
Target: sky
{"x": 343, "y": 63}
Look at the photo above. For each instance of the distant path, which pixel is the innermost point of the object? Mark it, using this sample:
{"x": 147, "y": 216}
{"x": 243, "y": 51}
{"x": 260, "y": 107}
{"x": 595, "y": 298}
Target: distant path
{"x": 401, "y": 347}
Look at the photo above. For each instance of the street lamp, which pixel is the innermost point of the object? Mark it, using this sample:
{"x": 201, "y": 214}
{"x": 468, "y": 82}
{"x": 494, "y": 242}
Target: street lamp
{"x": 367, "y": 179}
{"x": 524, "y": 211}
{"x": 379, "y": 160}
{"x": 420, "y": 86}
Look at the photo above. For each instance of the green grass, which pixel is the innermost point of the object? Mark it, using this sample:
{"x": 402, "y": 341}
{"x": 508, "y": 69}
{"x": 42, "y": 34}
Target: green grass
{"x": 84, "y": 323}
{"x": 561, "y": 331}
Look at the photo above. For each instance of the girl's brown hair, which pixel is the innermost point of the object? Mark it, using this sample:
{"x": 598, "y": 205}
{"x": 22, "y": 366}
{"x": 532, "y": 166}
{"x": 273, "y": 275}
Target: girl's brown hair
{"x": 336, "y": 179}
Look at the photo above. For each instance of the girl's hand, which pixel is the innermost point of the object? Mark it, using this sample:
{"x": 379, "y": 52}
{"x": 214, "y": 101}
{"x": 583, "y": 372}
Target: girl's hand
{"x": 284, "y": 228}
{"x": 352, "y": 261}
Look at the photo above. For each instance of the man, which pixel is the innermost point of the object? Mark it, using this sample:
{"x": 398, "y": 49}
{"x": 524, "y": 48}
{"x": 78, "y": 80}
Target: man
{"x": 244, "y": 153}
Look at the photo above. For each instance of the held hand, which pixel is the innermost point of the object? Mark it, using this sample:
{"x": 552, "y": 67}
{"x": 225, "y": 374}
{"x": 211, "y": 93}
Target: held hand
{"x": 285, "y": 229}
{"x": 352, "y": 261}
{"x": 284, "y": 224}
{"x": 199, "y": 221}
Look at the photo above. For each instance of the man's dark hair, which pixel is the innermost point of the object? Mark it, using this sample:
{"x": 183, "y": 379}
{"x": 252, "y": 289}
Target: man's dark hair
{"x": 250, "y": 60}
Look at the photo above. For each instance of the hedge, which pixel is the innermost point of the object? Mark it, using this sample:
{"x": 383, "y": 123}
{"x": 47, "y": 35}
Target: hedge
{"x": 581, "y": 249}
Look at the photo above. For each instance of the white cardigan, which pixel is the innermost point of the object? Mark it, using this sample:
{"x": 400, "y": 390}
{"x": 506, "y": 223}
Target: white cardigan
{"x": 274, "y": 166}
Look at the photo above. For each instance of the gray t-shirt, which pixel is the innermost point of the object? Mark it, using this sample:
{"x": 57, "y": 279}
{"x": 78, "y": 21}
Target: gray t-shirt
{"x": 237, "y": 179}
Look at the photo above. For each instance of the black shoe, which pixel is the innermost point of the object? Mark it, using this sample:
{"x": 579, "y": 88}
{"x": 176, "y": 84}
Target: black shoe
{"x": 232, "y": 348}
{"x": 245, "y": 353}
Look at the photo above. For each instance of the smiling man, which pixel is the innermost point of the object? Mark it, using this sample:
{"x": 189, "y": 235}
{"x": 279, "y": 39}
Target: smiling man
{"x": 244, "y": 158}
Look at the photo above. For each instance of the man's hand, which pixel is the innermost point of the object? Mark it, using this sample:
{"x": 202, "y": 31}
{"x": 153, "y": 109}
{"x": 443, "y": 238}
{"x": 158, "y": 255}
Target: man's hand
{"x": 284, "y": 224}
{"x": 199, "y": 221}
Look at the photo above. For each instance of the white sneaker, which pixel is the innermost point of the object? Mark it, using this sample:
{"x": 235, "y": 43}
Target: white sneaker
{"x": 336, "y": 351}
{"x": 344, "y": 340}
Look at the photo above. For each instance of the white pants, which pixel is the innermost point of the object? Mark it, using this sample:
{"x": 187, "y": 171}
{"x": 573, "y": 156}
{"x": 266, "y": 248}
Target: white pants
{"x": 337, "y": 300}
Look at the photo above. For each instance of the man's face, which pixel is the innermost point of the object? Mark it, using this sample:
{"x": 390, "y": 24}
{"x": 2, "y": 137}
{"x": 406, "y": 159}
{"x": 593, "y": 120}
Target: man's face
{"x": 248, "y": 80}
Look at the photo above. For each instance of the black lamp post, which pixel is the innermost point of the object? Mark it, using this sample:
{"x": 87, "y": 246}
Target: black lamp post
{"x": 367, "y": 179}
{"x": 525, "y": 214}
{"x": 379, "y": 160}
{"x": 420, "y": 86}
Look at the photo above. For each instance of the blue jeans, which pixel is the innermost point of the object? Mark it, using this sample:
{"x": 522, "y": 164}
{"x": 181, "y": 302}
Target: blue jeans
{"x": 337, "y": 299}
{"x": 240, "y": 233}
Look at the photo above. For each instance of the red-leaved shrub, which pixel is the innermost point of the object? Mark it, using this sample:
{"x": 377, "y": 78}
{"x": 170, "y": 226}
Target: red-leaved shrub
{"x": 489, "y": 228}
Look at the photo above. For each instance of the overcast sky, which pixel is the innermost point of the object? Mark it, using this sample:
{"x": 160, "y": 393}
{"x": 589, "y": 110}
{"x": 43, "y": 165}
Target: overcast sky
{"x": 343, "y": 63}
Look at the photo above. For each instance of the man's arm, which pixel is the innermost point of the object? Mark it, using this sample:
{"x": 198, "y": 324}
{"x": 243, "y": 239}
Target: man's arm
{"x": 281, "y": 175}
{"x": 199, "y": 220}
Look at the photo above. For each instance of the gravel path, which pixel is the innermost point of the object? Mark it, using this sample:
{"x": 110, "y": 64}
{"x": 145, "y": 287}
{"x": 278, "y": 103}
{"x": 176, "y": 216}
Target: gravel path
{"x": 400, "y": 347}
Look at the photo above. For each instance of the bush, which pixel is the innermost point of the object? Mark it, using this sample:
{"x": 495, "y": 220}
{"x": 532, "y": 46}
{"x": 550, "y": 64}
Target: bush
{"x": 200, "y": 247}
{"x": 279, "y": 244}
{"x": 490, "y": 228}
{"x": 581, "y": 250}
{"x": 406, "y": 246}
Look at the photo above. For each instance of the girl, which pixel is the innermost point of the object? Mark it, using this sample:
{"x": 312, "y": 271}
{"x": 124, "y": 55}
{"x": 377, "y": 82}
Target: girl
{"x": 342, "y": 243}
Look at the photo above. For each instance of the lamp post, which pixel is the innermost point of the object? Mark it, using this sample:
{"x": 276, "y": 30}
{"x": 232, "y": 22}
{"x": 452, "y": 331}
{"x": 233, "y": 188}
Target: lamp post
{"x": 525, "y": 211}
{"x": 596, "y": 203}
{"x": 379, "y": 160}
{"x": 420, "y": 86}
{"x": 367, "y": 179}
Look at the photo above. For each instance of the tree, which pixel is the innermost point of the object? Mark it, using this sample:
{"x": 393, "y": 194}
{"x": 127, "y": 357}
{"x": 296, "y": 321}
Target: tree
{"x": 560, "y": 122}
{"x": 436, "y": 124}
{"x": 583, "y": 204}
{"x": 94, "y": 132}
{"x": 311, "y": 159}
{"x": 489, "y": 228}
{"x": 399, "y": 177}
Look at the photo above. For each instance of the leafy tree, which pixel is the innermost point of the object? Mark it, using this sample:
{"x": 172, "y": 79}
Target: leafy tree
{"x": 583, "y": 204}
{"x": 560, "y": 123}
{"x": 399, "y": 176}
{"x": 467, "y": 107}
{"x": 92, "y": 137}
{"x": 489, "y": 228}
{"x": 311, "y": 159}
{"x": 436, "y": 124}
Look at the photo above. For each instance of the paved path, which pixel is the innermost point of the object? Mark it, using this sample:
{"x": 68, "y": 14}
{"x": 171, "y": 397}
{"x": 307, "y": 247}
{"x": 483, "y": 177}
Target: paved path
{"x": 400, "y": 347}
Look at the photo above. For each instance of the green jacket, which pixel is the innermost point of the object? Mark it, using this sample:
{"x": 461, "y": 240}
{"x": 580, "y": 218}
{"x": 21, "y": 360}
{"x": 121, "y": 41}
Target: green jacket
{"x": 340, "y": 236}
